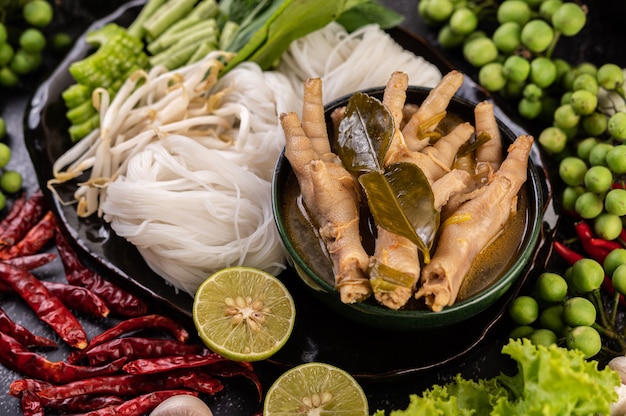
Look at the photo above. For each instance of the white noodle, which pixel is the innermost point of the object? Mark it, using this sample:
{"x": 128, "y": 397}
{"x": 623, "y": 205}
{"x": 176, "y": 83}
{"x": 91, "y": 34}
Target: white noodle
{"x": 347, "y": 62}
{"x": 187, "y": 182}
{"x": 193, "y": 206}
{"x": 191, "y": 211}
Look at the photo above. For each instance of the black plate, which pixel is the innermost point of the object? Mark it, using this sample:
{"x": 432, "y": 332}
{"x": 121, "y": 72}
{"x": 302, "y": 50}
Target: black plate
{"x": 319, "y": 334}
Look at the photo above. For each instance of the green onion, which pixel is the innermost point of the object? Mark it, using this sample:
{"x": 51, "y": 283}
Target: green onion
{"x": 194, "y": 31}
{"x": 228, "y": 34}
{"x": 136, "y": 27}
{"x": 203, "y": 50}
{"x": 166, "y": 16}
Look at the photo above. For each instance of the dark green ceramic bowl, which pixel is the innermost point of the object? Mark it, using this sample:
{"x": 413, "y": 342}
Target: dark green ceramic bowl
{"x": 313, "y": 267}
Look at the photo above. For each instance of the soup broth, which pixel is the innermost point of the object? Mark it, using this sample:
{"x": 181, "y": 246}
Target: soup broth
{"x": 486, "y": 269}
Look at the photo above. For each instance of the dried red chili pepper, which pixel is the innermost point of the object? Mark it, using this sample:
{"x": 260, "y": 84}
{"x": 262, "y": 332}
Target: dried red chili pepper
{"x": 75, "y": 298}
{"x": 135, "y": 347}
{"x": 31, "y": 405}
{"x": 79, "y": 299}
{"x": 134, "y": 384}
{"x": 84, "y": 403}
{"x": 31, "y": 364}
{"x": 229, "y": 368}
{"x": 32, "y": 384}
{"x": 68, "y": 255}
{"x": 119, "y": 301}
{"x": 32, "y": 261}
{"x": 23, "y": 335}
{"x": 29, "y": 214}
{"x": 13, "y": 213}
{"x": 153, "y": 321}
{"x": 162, "y": 364}
{"x": 140, "y": 405}
{"x": 47, "y": 306}
{"x": 34, "y": 240}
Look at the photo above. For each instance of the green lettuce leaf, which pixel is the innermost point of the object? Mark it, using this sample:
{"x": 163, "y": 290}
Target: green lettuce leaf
{"x": 551, "y": 381}
{"x": 556, "y": 381}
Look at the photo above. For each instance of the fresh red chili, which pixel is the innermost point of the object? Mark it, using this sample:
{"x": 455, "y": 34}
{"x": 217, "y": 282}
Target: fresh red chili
{"x": 162, "y": 364}
{"x": 134, "y": 384}
{"x": 34, "y": 240}
{"x": 32, "y": 261}
{"x": 585, "y": 235}
{"x": 135, "y": 347}
{"x": 31, "y": 364}
{"x": 29, "y": 214}
{"x": 139, "y": 405}
{"x": 119, "y": 301}
{"x": 567, "y": 254}
{"x": 79, "y": 299}
{"x": 48, "y": 307}
{"x": 571, "y": 257}
{"x": 23, "y": 335}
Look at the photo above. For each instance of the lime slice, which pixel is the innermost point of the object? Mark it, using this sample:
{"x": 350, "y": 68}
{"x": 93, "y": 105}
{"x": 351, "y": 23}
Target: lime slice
{"x": 315, "y": 389}
{"x": 243, "y": 313}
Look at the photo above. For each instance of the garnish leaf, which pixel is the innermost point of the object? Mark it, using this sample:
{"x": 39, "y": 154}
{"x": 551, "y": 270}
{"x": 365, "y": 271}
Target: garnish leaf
{"x": 366, "y": 13}
{"x": 268, "y": 36}
{"x": 364, "y": 134}
{"x": 401, "y": 201}
{"x": 550, "y": 380}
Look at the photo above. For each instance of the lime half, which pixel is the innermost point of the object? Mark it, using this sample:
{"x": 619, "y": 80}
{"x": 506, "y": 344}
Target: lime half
{"x": 243, "y": 313}
{"x": 315, "y": 389}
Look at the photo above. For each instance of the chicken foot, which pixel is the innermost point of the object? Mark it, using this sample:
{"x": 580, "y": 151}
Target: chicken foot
{"x": 330, "y": 194}
{"x": 473, "y": 226}
{"x": 395, "y": 265}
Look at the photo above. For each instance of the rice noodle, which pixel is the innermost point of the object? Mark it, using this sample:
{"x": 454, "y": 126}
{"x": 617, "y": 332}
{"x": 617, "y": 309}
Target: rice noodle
{"x": 347, "y": 62}
{"x": 188, "y": 166}
{"x": 190, "y": 209}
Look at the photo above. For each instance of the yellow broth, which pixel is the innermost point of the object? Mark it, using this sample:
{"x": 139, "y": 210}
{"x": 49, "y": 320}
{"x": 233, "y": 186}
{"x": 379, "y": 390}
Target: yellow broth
{"x": 486, "y": 269}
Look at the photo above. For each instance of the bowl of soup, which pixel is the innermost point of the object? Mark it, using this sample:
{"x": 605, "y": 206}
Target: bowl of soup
{"x": 401, "y": 282}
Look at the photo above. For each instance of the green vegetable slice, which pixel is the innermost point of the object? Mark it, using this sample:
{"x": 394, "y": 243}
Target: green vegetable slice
{"x": 401, "y": 201}
{"x": 365, "y": 134}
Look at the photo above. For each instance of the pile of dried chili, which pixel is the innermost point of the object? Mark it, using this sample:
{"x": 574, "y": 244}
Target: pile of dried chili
{"x": 128, "y": 369}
